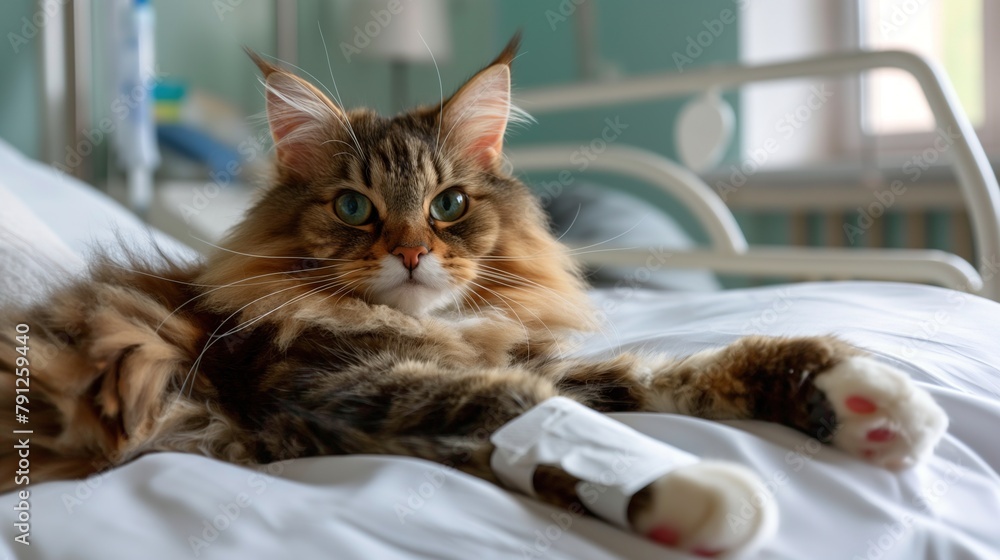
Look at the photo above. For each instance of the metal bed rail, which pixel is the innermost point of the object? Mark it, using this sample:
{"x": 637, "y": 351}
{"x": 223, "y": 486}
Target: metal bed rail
{"x": 729, "y": 251}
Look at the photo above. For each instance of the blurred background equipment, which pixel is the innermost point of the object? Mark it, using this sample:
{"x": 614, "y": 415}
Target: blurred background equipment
{"x": 135, "y": 135}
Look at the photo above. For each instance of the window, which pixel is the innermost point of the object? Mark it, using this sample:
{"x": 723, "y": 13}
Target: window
{"x": 884, "y": 112}
{"x": 950, "y": 33}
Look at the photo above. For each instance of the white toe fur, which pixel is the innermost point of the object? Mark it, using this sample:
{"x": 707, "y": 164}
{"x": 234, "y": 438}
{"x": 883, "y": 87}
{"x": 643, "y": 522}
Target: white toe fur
{"x": 904, "y": 410}
{"x": 712, "y": 506}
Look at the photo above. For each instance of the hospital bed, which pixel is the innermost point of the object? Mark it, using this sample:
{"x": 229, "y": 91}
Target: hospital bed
{"x": 832, "y": 506}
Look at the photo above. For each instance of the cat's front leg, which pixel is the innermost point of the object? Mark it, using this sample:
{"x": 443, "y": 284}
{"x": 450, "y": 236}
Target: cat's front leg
{"x": 453, "y": 416}
{"x": 818, "y": 385}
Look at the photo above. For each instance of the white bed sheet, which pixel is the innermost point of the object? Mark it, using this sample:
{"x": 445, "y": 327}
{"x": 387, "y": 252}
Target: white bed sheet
{"x": 365, "y": 507}
{"x": 382, "y": 508}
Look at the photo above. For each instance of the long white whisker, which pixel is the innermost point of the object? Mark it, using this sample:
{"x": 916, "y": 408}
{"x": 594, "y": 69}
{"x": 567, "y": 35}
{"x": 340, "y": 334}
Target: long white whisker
{"x": 212, "y": 337}
{"x": 468, "y": 299}
{"x": 157, "y": 276}
{"x": 551, "y": 334}
{"x": 626, "y": 232}
{"x": 527, "y": 337}
{"x": 329, "y": 65}
{"x": 514, "y": 114}
{"x": 210, "y": 244}
{"x": 459, "y": 308}
{"x": 437, "y": 143}
{"x": 344, "y": 289}
{"x": 246, "y": 324}
{"x": 498, "y": 275}
{"x": 578, "y": 208}
{"x": 568, "y": 253}
{"x": 470, "y": 302}
{"x": 341, "y": 118}
{"x": 326, "y": 283}
{"x": 348, "y": 144}
{"x": 240, "y": 283}
{"x": 466, "y": 113}
{"x": 343, "y": 153}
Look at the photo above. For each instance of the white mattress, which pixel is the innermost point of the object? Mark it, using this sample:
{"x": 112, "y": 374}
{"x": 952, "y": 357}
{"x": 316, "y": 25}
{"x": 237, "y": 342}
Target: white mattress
{"x": 367, "y": 507}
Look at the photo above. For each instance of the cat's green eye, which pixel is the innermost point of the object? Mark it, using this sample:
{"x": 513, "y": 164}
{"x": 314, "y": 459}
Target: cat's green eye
{"x": 354, "y": 209}
{"x": 449, "y": 205}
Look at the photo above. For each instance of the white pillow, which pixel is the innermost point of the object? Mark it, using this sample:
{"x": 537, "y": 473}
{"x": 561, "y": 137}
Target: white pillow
{"x": 78, "y": 214}
{"x": 32, "y": 257}
{"x": 589, "y": 215}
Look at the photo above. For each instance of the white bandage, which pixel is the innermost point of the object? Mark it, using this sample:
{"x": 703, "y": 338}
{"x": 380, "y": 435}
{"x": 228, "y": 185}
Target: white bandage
{"x": 612, "y": 461}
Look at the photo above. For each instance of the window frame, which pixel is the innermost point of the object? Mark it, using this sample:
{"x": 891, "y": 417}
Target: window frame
{"x": 901, "y": 144}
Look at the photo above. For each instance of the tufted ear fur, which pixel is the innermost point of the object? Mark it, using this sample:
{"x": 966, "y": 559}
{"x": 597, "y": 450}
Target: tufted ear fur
{"x": 298, "y": 113}
{"x": 476, "y": 117}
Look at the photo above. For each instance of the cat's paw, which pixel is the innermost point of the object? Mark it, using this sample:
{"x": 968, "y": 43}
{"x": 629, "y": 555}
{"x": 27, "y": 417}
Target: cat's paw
{"x": 882, "y": 416}
{"x": 710, "y": 509}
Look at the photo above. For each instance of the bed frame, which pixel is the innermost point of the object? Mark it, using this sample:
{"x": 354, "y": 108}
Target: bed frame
{"x": 728, "y": 251}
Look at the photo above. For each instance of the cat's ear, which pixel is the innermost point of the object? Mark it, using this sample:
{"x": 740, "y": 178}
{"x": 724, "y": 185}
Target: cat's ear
{"x": 297, "y": 112}
{"x": 475, "y": 118}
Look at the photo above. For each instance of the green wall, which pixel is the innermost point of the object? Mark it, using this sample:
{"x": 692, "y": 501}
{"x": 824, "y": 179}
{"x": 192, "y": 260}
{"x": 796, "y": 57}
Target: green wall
{"x": 635, "y": 37}
{"x": 19, "y": 81}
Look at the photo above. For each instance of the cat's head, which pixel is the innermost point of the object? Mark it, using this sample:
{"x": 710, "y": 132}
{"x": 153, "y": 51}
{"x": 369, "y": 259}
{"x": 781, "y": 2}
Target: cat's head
{"x": 414, "y": 211}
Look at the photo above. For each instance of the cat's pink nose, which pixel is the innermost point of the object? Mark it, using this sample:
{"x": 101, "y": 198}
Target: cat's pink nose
{"x": 410, "y": 255}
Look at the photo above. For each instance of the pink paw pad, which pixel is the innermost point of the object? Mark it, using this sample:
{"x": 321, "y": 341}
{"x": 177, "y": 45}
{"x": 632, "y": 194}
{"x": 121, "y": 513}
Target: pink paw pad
{"x": 664, "y": 535}
{"x": 706, "y": 552}
{"x": 880, "y": 435}
{"x": 860, "y": 405}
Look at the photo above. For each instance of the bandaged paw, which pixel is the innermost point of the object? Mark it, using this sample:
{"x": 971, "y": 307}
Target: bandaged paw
{"x": 684, "y": 503}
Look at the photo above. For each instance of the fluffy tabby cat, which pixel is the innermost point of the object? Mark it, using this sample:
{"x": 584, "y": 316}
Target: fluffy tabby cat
{"x": 396, "y": 291}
